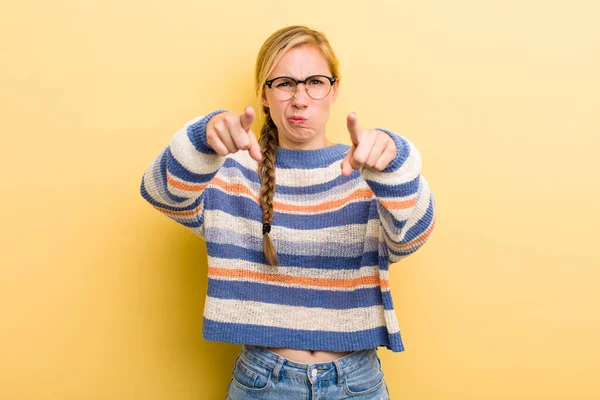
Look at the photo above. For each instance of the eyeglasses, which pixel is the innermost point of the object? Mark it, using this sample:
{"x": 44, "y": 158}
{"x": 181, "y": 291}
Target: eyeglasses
{"x": 316, "y": 86}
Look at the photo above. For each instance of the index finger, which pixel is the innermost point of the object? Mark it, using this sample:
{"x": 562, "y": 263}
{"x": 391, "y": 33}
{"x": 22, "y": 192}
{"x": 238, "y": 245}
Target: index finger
{"x": 354, "y": 129}
{"x": 246, "y": 118}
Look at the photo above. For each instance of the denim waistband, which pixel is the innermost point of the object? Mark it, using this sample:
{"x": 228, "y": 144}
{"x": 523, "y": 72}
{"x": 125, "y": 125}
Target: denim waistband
{"x": 324, "y": 370}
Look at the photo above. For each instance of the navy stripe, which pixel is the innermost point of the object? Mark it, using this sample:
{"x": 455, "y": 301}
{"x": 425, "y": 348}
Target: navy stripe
{"x": 160, "y": 179}
{"x": 389, "y": 218}
{"x": 421, "y": 226}
{"x": 384, "y": 264}
{"x": 162, "y": 183}
{"x": 275, "y": 294}
{"x": 178, "y": 170}
{"x": 240, "y": 206}
{"x": 397, "y": 254}
{"x": 228, "y": 251}
{"x": 414, "y": 231}
{"x": 310, "y": 159}
{"x": 269, "y": 336}
{"x": 403, "y": 189}
{"x": 396, "y": 344}
{"x": 388, "y": 302}
{"x": 197, "y": 134}
{"x": 189, "y": 224}
{"x": 151, "y": 200}
{"x": 388, "y": 236}
{"x": 402, "y": 151}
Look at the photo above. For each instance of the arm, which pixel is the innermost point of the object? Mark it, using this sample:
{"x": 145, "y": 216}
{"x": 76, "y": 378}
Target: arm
{"x": 174, "y": 182}
{"x": 405, "y": 204}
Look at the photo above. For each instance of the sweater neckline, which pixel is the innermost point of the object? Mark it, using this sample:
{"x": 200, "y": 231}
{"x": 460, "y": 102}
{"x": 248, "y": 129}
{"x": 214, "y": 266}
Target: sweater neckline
{"x": 307, "y": 159}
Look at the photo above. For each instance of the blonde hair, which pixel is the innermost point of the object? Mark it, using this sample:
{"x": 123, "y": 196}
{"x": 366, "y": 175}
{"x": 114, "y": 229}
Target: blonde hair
{"x": 272, "y": 50}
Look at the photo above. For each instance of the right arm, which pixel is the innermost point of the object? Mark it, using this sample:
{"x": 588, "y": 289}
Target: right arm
{"x": 174, "y": 182}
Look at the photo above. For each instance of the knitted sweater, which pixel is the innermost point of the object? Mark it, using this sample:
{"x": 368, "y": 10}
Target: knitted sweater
{"x": 335, "y": 236}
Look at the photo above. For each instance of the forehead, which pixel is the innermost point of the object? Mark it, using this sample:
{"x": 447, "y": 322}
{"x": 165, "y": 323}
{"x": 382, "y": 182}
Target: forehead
{"x": 301, "y": 62}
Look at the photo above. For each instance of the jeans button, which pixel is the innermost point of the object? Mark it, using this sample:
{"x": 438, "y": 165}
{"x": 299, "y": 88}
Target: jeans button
{"x": 313, "y": 373}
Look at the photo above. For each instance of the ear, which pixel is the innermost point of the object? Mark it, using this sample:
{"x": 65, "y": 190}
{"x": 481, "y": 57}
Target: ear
{"x": 264, "y": 100}
{"x": 335, "y": 90}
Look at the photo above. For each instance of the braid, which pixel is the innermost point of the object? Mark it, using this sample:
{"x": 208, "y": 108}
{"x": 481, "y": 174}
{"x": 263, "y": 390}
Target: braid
{"x": 266, "y": 170}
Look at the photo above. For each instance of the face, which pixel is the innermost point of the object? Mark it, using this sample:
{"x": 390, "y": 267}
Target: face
{"x": 309, "y": 133}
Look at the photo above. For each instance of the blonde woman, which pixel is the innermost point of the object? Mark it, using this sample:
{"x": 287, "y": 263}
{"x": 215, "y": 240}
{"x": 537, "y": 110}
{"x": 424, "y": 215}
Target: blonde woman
{"x": 299, "y": 231}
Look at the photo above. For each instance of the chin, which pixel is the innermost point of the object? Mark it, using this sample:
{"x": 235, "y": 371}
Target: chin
{"x": 304, "y": 134}
{"x": 298, "y": 133}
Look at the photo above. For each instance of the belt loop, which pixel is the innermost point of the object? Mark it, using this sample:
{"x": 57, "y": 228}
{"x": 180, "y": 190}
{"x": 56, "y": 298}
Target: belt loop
{"x": 239, "y": 355}
{"x": 280, "y": 361}
{"x": 340, "y": 375}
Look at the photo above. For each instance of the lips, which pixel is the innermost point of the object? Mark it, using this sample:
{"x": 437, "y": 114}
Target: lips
{"x": 296, "y": 120}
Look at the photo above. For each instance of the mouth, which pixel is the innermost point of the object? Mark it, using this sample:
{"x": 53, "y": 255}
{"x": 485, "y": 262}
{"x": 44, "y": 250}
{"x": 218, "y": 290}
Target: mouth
{"x": 297, "y": 120}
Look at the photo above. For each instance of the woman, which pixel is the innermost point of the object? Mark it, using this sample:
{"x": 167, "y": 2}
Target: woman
{"x": 300, "y": 231}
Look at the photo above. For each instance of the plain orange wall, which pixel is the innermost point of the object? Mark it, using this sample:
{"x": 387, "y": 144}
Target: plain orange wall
{"x": 101, "y": 297}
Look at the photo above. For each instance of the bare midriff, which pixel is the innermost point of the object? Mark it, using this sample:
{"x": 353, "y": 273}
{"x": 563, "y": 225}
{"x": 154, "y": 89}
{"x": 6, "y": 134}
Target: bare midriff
{"x": 308, "y": 356}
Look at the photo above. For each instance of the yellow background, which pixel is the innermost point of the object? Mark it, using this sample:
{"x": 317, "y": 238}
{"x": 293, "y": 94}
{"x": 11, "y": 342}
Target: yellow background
{"x": 101, "y": 297}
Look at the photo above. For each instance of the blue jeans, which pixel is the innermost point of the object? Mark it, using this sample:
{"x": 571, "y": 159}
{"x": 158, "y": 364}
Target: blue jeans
{"x": 262, "y": 374}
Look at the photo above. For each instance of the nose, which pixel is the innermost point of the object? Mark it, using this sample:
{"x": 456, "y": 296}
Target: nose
{"x": 301, "y": 97}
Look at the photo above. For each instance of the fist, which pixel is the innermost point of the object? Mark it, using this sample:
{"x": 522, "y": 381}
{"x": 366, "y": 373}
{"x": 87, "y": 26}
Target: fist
{"x": 370, "y": 148}
{"x": 229, "y": 132}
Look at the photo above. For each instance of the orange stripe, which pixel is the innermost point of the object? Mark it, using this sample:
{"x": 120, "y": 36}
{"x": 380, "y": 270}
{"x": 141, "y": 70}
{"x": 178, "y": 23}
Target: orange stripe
{"x": 298, "y": 280}
{"x": 385, "y": 284}
{"x": 238, "y": 188}
{"x": 185, "y": 213}
{"x": 363, "y": 194}
{"x": 184, "y": 186}
{"x": 398, "y": 205}
{"x": 420, "y": 238}
{"x": 234, "y": 188}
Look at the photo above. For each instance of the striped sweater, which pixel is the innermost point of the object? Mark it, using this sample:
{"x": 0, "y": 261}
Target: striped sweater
{"x": 335, "y": 236}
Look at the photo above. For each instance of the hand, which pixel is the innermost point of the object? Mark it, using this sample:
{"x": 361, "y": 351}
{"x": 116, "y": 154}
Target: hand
{"x": 229, "y": 132}
{"x": 370, "y": 148}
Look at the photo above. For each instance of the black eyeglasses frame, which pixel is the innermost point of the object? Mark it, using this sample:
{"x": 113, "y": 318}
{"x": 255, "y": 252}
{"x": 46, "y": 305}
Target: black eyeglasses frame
{"x": 331, "y": 79}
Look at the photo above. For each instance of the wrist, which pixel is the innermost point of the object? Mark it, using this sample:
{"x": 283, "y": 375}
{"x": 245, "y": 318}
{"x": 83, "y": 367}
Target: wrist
{"x": 197, "y": 132}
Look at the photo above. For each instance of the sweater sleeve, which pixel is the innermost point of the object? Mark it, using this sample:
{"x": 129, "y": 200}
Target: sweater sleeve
{"x": 174, "y": 182}
{"x": 405, "y": 204}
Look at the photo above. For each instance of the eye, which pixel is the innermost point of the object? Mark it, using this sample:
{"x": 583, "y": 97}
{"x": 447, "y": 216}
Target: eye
{"x": 284, "y": 83}
{"x": 318, "y": 81}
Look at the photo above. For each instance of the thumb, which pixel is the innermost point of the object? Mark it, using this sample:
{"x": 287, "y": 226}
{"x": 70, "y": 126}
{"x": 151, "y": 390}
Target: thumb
{"x": 246, "y": 118}
{"x": 346, "y": 163}
{"x": 353, "y": 128}
{"x": 254, "y": 148}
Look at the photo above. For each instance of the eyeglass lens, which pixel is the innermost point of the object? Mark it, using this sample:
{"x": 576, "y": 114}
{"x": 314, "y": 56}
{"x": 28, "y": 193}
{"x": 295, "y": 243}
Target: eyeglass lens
{"x": 317, "y": 87}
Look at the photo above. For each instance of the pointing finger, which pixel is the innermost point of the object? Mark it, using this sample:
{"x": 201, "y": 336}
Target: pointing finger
{"x": 353, "y": 127}
{"x": 246, "y": 118}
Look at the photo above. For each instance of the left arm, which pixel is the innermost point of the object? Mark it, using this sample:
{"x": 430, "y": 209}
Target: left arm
{"x": 391, "y": 165}
{"x": 405, "y": 203}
